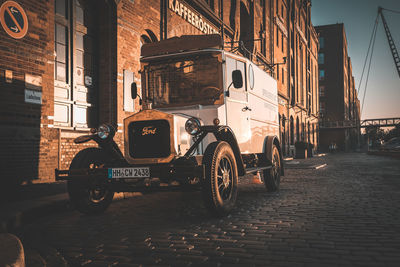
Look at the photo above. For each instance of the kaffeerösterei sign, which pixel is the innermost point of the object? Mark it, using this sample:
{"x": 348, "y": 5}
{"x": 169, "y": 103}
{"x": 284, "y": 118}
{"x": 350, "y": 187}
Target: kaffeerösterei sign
{"x": 181, "y": 9}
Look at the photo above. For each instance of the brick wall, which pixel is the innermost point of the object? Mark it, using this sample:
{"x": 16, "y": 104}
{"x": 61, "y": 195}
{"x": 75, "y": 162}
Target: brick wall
{"x": 31, "y": 147}
{"x": 20, "y": 122}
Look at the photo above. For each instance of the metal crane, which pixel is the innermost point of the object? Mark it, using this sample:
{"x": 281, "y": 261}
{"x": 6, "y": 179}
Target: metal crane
{"x": 392, "y": 45}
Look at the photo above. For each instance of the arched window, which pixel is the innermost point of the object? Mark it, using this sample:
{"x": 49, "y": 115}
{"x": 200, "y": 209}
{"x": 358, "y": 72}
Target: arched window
{"x": 148, "y": 37}
{"x": 313, "y": 133}
{"x": 280, "y": 120}
{"x": 297, "y": 129}
{"x": 144, "y": 39}
{"x": 152, "y": 36}
{"x": 246, "y": 30}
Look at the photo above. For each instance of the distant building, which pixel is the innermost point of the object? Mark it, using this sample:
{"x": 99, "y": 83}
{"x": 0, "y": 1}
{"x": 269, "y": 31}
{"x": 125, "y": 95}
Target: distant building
{"x": 339, "y": 104}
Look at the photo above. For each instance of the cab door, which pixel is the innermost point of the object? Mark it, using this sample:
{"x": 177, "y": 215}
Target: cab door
{"x": 237, "y": 109}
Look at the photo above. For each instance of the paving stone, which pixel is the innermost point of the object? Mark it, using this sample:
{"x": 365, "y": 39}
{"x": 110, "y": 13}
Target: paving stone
{"x": 346, "y": 214}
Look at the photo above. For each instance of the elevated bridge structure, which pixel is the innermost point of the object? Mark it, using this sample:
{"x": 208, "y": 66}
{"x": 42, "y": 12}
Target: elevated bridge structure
{"x": 347, "y": 124}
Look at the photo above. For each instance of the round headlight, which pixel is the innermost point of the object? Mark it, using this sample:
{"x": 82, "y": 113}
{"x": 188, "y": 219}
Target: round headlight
{"x": 192, "y": 126}
{"x": 104, "y": 131}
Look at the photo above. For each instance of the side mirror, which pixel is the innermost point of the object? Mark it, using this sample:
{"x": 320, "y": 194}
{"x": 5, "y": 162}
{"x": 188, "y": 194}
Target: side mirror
{"x": 133, "y": 90}
{"x": 237, "y": 79}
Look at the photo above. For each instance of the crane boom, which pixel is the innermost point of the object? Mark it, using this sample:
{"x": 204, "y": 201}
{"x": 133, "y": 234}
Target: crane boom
{"x": 392, "y": 45}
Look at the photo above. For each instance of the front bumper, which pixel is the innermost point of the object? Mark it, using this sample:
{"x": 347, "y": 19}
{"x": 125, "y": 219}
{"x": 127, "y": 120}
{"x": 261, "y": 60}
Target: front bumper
{"x": 165, "y": 172}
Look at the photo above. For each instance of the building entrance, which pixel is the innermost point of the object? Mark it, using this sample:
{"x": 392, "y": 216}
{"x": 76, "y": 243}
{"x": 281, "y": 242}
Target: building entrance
{"x": 75, "y": 71}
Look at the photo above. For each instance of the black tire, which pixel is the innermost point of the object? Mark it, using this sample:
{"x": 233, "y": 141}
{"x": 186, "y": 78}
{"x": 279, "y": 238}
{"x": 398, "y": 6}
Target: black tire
{"x": 221, "y": 178}
{"x": 272, "y": 177}
{"x": 89, "y": 196}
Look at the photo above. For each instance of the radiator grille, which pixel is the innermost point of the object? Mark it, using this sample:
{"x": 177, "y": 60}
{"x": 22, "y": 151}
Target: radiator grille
{"x": 149, "y": 139}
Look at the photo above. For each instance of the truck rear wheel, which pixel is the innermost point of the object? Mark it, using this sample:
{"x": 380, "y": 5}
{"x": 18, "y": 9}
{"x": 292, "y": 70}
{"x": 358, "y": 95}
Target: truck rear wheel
{"x": 89, "y": 196}
{"x": 221, "y": 178}
{"x": 272, "y": 177}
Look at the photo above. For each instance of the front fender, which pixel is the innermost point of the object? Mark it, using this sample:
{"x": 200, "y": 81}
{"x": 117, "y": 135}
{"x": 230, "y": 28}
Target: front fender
{"x": 224, "y": 133}
{"x": 83, "y": 139}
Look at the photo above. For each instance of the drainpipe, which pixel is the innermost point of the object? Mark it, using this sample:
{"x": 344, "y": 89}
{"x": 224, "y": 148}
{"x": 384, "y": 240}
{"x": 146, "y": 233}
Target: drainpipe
{"x": 59, "y": 149}
{"x": 221, "y": 5}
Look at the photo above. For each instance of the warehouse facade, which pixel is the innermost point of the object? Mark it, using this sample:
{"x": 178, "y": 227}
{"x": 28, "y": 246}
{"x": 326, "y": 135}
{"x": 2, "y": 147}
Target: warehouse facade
{"x": 339, "y": 103}
{"x": 73, "y": 68}
{"x": 296, "y": 40}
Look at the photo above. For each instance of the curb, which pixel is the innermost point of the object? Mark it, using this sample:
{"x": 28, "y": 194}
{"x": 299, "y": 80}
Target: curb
{"x": 393, "y": 154}
{"x": 17, "y": 214}
{"x": 306, "y": 167}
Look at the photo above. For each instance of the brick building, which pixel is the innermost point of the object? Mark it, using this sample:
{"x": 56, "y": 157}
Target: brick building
{"x": 296, "y": 40}
{"x": 339, "y": 104}
{"x": 79, "y": 57}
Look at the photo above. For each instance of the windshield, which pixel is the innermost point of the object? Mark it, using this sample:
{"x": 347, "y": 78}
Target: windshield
{"x": 192, "y": 80}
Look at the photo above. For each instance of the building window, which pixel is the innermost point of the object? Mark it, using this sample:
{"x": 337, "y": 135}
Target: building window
{"x": 277, "y": 73}
{"x": 322, "y": 91}
{"x": 144, "y": 39}
{"x": 282, "y": 43}
{"x": 321, "y": 42}
{"x": 277, "y": 7}
{"x": 283, "y": 76}
{"x": 61, "y": 47}
{"x": 322, "y": 107}
{"x": 302, "y": 75}
{"x": 75, "y": 68}
{"x": 321, "y": 74}
{"x": 210, "y": 3}
{"x": 262, "y": 38}
{"x": 282, "y": 12}
{"x": 277, "y": 36}
{"x": 321, "y": 58}
{"x": 291, "y": 131}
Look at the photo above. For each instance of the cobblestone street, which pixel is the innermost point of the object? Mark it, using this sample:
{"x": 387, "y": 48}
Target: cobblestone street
{"x": 345, "y": 214}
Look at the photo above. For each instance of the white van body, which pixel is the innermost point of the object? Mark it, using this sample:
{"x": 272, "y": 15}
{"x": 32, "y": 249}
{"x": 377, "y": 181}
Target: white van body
{"x": 251, "y": 111}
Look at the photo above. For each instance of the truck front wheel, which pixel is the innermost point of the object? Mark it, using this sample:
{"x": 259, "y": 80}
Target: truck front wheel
{"x": 272, "y": 176}
{"x": 90, "y": 195}
{"x": 221, "y": 178}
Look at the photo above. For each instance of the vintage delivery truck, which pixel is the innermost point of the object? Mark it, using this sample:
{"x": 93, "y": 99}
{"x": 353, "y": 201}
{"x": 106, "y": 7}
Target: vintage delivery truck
{"x": 207, "y": 117}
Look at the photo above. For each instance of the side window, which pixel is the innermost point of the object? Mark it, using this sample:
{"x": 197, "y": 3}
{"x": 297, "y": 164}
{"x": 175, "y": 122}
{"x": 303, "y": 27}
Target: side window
{"x": 231, "y": 65}
{"x": 251, "y": 77}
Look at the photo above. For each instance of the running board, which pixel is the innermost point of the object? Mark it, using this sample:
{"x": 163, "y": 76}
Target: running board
{"x": 257, "y": 169}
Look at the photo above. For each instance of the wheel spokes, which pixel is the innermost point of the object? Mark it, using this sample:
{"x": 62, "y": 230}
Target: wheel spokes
{"x": 276, "y": 168}
{"x": 224, "y": 178}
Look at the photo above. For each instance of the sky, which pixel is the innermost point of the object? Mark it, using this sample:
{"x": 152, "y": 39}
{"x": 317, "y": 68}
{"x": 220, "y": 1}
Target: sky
{"x": 382, "y": 99}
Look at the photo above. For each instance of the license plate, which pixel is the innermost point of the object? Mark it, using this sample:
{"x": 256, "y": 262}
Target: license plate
{"x": 139, "y": 172}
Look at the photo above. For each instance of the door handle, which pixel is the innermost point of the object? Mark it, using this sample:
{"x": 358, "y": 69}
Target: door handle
{"x": 246, "y": 108}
